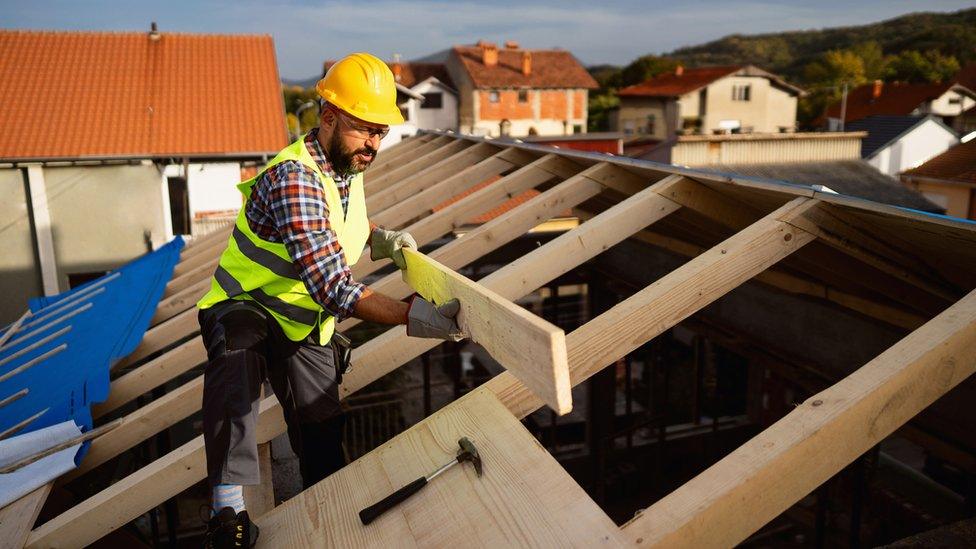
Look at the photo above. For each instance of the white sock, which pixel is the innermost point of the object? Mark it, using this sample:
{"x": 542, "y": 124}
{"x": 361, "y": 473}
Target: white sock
{"x": 228, "y": 495}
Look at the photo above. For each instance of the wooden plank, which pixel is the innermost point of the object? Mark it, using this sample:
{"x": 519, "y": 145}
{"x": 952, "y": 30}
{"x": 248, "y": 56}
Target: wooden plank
{"x": 191, "y": 277}
{"x": 781, "y": 465}
{"x": 378, "y": 170}
{"x": 526, "y": 345}
{"x": 443, "y": 221}
{"x": 159, "y": 337}
{"x": 202, "y": 256}
{"x": 506, "y": 227}
{"x": 524, "y": 498}
{"x": 260, "y": 498}
{"x": 180, "y": 301}
{"x": 397, "y": 176}
{"x": 396, "y": 151}
{"x": 141, "y": 424}
{"x": 669, "y": 300}
{"x": 125, "y": 500}
{"x": 411, "y": 207}
{"x": 168, "y": 366}
{"x": 18, "y": 517}
{"x": 410, "y": 186}
{"x": 12, "y": 329}
{"x": 183, "y": 467}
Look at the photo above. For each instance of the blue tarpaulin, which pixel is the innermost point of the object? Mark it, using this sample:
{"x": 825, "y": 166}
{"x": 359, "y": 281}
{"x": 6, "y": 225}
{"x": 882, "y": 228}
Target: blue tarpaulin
{"x": 76, "y": 336}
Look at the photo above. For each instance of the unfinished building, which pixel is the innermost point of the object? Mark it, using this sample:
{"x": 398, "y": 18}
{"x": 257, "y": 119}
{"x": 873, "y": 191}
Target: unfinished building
{"x": 733, "y": 343}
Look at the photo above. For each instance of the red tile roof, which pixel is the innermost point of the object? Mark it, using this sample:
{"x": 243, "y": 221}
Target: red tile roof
{"x": 550, "y": 69}
{"x": 967, "y": 76}
{"x": 673, "y": 85}
{"x": 956, "y": 164}
{"x": 412, "y": 74}
{"x": 895, "y": 99}
{"x": 100, "y": 94}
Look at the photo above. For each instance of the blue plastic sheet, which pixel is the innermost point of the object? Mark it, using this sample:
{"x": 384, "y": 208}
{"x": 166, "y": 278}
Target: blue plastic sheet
{"x": 100, "y": 322}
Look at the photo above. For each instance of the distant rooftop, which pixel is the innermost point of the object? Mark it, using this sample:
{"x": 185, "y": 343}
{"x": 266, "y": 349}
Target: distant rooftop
{"x": 685, "y": 80}
{"x": 883, "y": 130}
{"x": 70, "y": 95}
{"x": 550, "y": 68}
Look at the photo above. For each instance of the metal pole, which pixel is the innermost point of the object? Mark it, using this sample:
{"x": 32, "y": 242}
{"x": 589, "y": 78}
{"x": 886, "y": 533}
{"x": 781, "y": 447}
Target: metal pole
{"x": 843, "y": 106}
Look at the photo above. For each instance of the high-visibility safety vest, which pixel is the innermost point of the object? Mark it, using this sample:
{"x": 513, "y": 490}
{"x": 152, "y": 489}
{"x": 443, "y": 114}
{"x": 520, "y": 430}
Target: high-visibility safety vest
{"x": 252, "y": 268}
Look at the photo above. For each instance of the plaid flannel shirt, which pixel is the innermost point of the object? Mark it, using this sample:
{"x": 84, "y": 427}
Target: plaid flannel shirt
{"x": 287, "y": 205}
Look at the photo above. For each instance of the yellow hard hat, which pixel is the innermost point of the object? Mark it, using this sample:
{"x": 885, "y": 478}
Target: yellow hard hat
{"x": 363, "y": 86}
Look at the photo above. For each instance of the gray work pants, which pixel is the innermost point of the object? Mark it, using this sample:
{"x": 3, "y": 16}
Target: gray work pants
{"x": 245, "y": 346}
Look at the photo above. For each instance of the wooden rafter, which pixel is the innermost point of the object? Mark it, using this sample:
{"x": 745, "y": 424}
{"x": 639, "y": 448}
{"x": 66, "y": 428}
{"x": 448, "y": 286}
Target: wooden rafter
{"x": 760, "y": 479}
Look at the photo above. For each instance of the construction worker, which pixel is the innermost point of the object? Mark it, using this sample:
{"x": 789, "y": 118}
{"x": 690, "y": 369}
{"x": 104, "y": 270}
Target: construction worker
{"x": 284, "y": 282}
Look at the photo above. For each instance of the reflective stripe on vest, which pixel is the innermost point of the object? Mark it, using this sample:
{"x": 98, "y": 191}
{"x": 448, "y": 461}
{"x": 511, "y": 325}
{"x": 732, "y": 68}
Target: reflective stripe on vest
{"x": 255, "y": 269}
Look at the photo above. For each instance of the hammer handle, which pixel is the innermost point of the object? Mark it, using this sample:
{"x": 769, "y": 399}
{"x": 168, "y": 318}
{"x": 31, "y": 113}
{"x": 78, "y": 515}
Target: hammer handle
{"x": 370, "y": 513}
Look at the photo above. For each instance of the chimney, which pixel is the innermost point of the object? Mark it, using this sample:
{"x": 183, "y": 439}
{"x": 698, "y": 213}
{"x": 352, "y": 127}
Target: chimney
{"x": 511, "y": 45}
{"x": 876, "y": 89}
{"x": 679, "y": 70}
{"x": 153, "y": 31}
{"x": 397, "y": 67}
{"x": 489, "y": 53}
{"x": 526, "y": 63}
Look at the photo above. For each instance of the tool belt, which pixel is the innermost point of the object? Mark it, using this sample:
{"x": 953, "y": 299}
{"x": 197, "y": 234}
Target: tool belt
{"x": 342, "y": 346}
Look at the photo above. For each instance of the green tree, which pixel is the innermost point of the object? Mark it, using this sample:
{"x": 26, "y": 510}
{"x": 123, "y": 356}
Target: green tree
{"x": 872, "y": 58}
{"x": 644, "y": 68}
{"x": 294, "y": 97}
{"x": 912, "y": 66}
{"x": 600, "y": 106}
{"x": 835, "y": 68}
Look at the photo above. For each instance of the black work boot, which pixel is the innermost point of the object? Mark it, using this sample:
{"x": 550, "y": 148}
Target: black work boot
{"x": 229, "y": 530}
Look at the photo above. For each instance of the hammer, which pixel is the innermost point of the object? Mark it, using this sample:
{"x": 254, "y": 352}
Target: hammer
{"x": 467, "y": 453}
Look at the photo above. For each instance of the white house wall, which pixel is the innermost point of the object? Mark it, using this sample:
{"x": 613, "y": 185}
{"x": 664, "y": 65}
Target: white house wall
{"x": 212, "y": 187}
{"x": 925, "y": 141}
{"x": 444, "y": 118}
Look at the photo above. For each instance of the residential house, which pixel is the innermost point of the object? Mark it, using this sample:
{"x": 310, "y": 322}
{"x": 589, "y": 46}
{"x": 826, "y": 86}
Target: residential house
{"x": 826, "y": 160}
{"x": 949, "y": 180}
{"x": 945, "y": 100}
{"x": 439, "y": 108}
{"x": 897, "y": 143}
{"x": 516, "y": 91}
{"x": 113, "y": 142}
{"x": 731, "y": 99}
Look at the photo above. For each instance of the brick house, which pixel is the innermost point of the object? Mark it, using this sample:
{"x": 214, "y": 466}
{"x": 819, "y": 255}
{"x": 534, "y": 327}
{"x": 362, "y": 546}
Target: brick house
{"x": 707, "y": 100}
{"x": 515, "y": 91}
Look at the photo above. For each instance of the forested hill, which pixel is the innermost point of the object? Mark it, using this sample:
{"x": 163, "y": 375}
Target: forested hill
{"x": 787, "y": 53}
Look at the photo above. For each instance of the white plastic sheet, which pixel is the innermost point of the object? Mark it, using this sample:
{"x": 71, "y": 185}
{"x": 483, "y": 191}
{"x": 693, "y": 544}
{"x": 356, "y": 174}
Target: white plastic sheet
{"x": 25, "y": 480}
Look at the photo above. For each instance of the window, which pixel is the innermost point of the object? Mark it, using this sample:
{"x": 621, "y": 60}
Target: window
{"x": 179, "y": 204}
{"x": 955, "y": 100}
{"x": 523, "y": 96}
{"x": 577, "y": 128}
{"x": 741, "y": 92}
{"x": 433, "y": 101}
{"x": 628, "y": 127}
{"x": 651, "y": 123}
{"x": 493, "y": 97}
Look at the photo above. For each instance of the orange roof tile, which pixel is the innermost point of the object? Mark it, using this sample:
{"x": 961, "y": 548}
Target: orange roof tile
{"x": 100, "y": 94}
{"x": 550, "y": 69}
{"x": 895, "y": 99}
{"x": 956, "y": 164}
{"x": 671, "y": 84}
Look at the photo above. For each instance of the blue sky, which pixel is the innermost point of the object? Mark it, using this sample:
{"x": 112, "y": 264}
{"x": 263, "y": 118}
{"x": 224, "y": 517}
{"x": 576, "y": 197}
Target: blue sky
{"x": 307, "y": 32}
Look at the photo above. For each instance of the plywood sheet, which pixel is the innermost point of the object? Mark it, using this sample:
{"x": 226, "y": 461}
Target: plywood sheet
{"x": 531, "y": 348}
{"x": 524, "y": 498}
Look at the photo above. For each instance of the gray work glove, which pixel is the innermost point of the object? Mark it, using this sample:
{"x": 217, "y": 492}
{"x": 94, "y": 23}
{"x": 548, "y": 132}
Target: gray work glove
{"x": 424, "y": 319}
{"x": 386, "y": 244}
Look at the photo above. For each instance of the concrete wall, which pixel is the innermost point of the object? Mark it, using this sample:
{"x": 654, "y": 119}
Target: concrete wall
{"x": 101, "y": 218}
{"x": 19, "y": 277}
{"x": 768, "y": 110}
{"x": 956, "y": 199}
{"x": 444, "y": 118}
{"x": 923, "y": 142}
{"x": 632, "y": 116}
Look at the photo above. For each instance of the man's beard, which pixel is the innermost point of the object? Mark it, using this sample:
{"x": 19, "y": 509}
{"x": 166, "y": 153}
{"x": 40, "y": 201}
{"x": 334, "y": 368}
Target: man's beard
{"x": 344, "y": 162}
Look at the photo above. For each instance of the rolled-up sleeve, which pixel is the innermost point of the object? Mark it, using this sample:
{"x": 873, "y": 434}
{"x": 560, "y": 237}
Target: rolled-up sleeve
{"x": 301, "y": 216}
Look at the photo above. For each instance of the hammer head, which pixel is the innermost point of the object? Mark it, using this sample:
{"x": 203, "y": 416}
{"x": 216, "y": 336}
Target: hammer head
{"x": 469, "y": 453}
